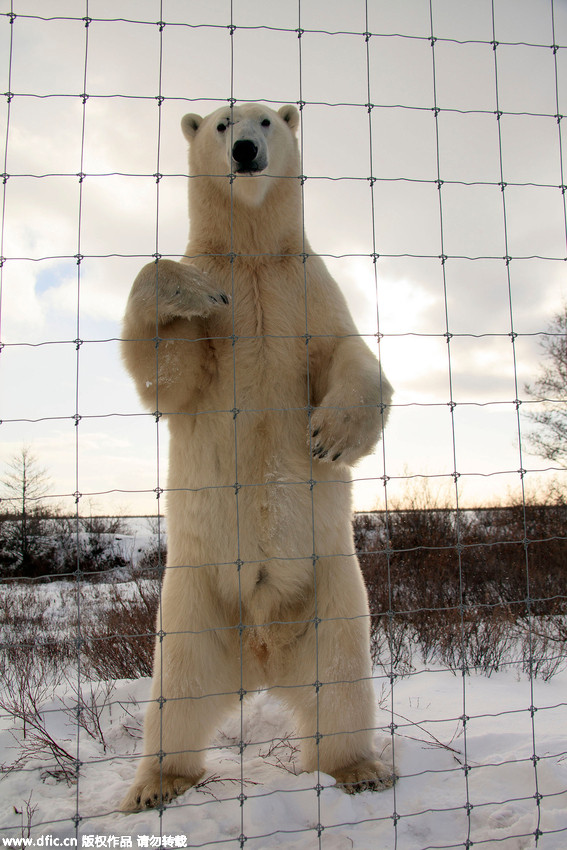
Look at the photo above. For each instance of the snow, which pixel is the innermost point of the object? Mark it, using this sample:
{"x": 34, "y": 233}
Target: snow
{"x": 436, "y": 802}
{"x": 474, "y": 755}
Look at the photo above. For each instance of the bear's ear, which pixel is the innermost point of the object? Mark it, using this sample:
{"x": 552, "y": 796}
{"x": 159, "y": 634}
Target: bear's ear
{"x": 290, "y": 115}
{"x": 190, "y": 124}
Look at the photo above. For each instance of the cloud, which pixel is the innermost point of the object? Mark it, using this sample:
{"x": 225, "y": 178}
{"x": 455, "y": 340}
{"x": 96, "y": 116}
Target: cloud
{"x": 373, "y": 207}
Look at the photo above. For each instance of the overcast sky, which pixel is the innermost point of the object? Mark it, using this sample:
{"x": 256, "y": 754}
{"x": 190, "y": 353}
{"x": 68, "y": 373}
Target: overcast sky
{"x": 434, "y": 117}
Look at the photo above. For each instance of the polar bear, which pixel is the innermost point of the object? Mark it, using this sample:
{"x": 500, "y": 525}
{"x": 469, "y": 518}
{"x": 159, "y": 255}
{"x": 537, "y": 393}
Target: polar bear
{"x": 247, "y": 347}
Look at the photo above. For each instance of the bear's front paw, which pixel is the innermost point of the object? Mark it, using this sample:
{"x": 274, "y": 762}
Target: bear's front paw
{"x": 172, "y": 290}
{"x": 196, "y": 293}
{"x": 344, "y": 434}
{"x": 367, "y": 775}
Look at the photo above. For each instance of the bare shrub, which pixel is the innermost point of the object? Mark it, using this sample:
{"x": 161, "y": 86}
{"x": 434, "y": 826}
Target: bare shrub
{"x": 88, "y": 707}
{"x": 151, "y": 562}
{"x": 24, "y": 691}
{"x": 463, "y": 587}
{"x": 119, "y": 645}
{"x": 92, "y": 545}
{"x": 27, "y": 624}
{"x": 27, "y": 811}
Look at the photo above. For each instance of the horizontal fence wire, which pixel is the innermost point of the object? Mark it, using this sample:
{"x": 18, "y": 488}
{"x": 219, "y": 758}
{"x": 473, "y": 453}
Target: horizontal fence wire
{"x": 456, "y": 594}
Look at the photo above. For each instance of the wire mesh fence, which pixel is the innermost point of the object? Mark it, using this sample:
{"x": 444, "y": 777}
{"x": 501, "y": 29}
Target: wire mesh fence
{"x": 430, "y": 180}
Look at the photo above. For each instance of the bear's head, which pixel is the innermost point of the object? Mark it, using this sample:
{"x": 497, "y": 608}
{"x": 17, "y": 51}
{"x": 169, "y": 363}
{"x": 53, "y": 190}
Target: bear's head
{"x": 248, "y": 146}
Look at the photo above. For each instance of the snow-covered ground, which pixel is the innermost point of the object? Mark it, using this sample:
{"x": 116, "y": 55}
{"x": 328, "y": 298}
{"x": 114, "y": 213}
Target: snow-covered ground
{"x": 504, "y": 797}
{"x": 480, "y": 759}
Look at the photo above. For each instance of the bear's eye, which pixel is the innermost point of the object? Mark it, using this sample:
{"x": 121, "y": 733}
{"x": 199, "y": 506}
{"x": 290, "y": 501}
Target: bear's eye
{"x": 266, "y": 122}
{"x": 221, "y": 128}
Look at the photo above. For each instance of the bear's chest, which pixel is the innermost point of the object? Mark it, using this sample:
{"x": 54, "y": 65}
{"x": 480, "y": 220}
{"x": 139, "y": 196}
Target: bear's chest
{"x": 259, "y": 340}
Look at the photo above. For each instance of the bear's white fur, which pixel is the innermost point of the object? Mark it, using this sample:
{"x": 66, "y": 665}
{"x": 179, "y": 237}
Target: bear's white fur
{"x": 248, "y": 347}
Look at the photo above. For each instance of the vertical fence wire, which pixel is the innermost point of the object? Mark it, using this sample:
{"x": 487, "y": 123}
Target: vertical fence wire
{"x": 314, "y": 556}
{"x": 77, "y": 417}
{"x": 392, "y": 674}
{"x": 11, "y": 19}
{"x": 521, "y": 471}
{"x": 242, "y": 838}
{"x": 158, "y": 412}
{"x": 455, "y": 474}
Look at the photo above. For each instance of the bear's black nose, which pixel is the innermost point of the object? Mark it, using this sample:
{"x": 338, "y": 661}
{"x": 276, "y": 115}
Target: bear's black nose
{"x": 244, "y": 152}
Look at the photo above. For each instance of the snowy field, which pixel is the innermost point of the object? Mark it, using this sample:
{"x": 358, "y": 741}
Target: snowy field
{"x": 480, "y": 759}
{"x": 435, "y": 804}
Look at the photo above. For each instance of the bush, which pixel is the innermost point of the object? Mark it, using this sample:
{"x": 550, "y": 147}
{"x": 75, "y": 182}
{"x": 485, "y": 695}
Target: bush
{"x": 120, "y": 644}
{"x": 40, "y": 551}
{"x": 464, "y": 587}
{"x": 58, "y": 545}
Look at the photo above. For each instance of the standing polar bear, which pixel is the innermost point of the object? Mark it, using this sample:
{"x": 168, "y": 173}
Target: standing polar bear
{"x": 248, "y": 347}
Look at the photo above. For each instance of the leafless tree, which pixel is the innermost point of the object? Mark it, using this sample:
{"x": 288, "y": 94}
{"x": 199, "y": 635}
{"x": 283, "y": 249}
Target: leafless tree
{"x": 549, "y": 391}
{"x": 24, "y": 484}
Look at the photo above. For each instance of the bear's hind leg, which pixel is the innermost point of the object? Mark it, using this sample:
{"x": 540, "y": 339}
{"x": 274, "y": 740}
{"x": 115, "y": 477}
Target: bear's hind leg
{"x": 198, "y": 687}
{"x": 329, "y": 687}
{"x": 181, "y": 731}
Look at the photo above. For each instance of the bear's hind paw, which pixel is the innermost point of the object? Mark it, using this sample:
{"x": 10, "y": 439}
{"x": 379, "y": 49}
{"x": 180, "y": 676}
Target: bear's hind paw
{"x": 155, "y": 792}
{"x": 367, "y": 775}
